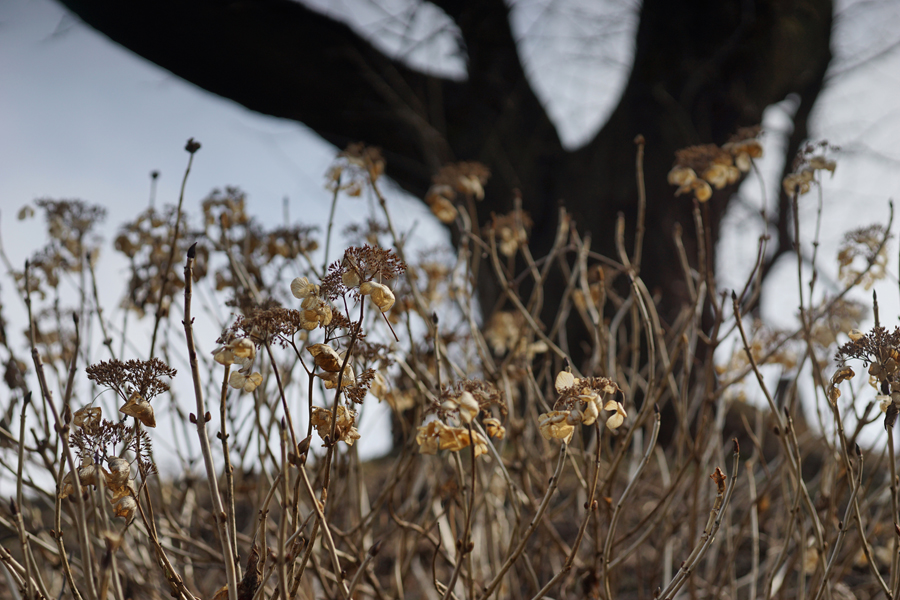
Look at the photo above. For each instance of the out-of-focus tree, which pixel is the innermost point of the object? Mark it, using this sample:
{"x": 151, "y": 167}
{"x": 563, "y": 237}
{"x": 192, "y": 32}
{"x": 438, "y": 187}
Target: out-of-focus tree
{"x": 701, "y": 70}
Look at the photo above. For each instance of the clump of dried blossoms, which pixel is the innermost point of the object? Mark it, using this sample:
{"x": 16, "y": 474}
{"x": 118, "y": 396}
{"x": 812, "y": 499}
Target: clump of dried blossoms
{"x": 580, "y": 402}
{"x": 868, "y": 245}
{"x": 810, "y": 160}
{"x": 468, "y": 178}
{"x": 345, "y": 429}
{"x": 95, "y": 440}
{"x": 354, "y": 168}
{"x": 242, "y": 351}
{"x": 462, "y": 403}
{"x": 880, "y": 350}
{"x": 136, "y": 382}
{"x": 700, "y": 168}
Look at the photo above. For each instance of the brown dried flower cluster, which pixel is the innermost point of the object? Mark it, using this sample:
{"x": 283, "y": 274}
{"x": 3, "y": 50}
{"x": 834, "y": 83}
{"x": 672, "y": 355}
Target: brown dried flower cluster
{"x": 354, "y": 168}
{"x": 146, "y": 243}
{"x": 511, "y": 231}
{"x": 468, "y": 178}
{"x": 717, "y": 167}
{"x": 580, "y": 402}
{"x": 345, "y": 429}
{"x": 880, "y": 350}
{"x": 810, "y": 160}
{"x": 136, "y": 382}
{"x": 868, "y": 245}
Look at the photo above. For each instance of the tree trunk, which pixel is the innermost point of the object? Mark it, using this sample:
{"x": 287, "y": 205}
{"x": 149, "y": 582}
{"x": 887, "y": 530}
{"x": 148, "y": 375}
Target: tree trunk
{"x": 701, "y": 70}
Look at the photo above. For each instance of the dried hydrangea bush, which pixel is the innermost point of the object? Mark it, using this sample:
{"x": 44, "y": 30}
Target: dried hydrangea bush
{"x": 144, "y": 457}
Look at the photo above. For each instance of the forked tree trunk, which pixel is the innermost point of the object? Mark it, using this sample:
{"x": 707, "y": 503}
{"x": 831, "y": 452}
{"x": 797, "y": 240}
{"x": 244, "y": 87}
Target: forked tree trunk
{"x": 701, "y": 70}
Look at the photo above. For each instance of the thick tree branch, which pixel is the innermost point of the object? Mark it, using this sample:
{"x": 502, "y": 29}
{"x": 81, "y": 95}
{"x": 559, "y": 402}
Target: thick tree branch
{"x": 280, "y": 58}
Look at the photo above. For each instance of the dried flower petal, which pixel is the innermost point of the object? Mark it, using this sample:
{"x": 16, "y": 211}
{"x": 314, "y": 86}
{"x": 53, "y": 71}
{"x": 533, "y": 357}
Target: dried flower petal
{"x": 553, "y": 425}
{"x": 468, "y": 407}
{"x": 118, "y": 474}
{"x": 126, "y": 507}
{"x": 564, "y": 380}
{"x": 87, "y": 417}
{"x": 140, "y": 409}
{"x": 326, "y": 357}
{"x": 437, "y": 436}
{"x": 344, "y": 430}
{"x": 494, "y": 428}
{"x": 302, "y": 288}
{"x": 381, "y": 294}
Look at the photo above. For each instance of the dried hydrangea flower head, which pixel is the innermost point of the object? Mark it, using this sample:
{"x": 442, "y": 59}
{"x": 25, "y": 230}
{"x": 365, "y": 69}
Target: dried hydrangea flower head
{"x": 810, "y": 160}
{"x": 436, "y": 435}
{"x": 580, "y": 402}
{"x": 717, "y": 167}
{"x": 354, "y": 168}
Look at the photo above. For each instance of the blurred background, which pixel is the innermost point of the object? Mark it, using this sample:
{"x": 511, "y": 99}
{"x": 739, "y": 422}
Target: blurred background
{"x": 82, "y": 117}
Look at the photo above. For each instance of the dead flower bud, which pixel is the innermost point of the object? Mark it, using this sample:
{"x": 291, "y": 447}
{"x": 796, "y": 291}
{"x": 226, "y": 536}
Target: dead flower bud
{"x": 468, "y": 407}
{"x": 618, "y": 417}
{"x": 494, "y": 428}
{"x": 326, "y": 358}
{"x": 554, "y": 425}
{"x": 87, "y": 417}
{"x": 242, "y": 381}
{"x": 884, "y": 402}
{"x": 381, "y": 294}
{"x": 302, "y": 288}
{"x": 126, "y": 507}
{"x": 140, "y": 409}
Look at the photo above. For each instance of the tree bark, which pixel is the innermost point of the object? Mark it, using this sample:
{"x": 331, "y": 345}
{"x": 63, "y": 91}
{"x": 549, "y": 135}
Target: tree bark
{"x": 702, "y": 69}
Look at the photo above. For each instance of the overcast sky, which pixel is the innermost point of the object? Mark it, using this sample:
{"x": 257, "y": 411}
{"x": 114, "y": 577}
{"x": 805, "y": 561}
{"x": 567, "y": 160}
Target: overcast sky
{"x": 82, "y": 118}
